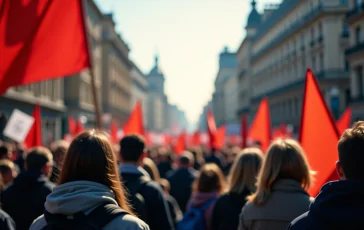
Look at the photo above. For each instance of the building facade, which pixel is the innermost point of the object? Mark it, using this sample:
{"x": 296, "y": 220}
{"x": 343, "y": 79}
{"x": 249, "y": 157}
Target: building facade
{"x": 139, "y": 90}
{"x": 116, "y": 74}
{"x": 280, "y": 44}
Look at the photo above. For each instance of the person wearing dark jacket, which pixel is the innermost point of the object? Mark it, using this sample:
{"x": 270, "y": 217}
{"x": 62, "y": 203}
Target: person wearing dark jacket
{"x": 172, "y": 203}
{"x": 340, "y": 204}
{"x": 24, "y": 199}
{"x": 132, "y": 152}
{"x": 59, "y": 151}
{"x": 214, "y": 158}
{"x": 6, "y": 223}
{"x": 241, "y": 183}
{"x": 181, "y": 180}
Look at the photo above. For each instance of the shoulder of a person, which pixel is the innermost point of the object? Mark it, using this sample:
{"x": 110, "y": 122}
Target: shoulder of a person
{"x": 151, "y": 187}
{"x": 299, "y": 223}
{"x": 127, "y": 222}
{"x": 38, "y": 223}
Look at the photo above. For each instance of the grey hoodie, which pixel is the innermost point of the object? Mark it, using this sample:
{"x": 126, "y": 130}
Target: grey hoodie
{"x": 85, "y": 196}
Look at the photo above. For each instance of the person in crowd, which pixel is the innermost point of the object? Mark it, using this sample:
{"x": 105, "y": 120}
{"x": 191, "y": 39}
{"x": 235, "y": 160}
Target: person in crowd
{"x": 230, "y": 157}
{"x": 6, "y": 222}
{"x": 59, "y": 151}
{"x": 164, "y": 162}
{"x": 281, "y": 188}
{"x": 152, "y": 170}
{"x": 89, "y": 185}
{"x": 209, "y": 184}
{"x": 5, "y": 151}
{"x": 198, "y": 158}
{"x": 172, "y": 203}
{"x": 241, "y": 183}
{"x": 181, "y": 180}
{"x": 214, "y": 157}
{"x": 340, "y": 204}
{"x": 7, "y": 171}
{"x": 24, "y": 199}
{"x": 146, "y": 195}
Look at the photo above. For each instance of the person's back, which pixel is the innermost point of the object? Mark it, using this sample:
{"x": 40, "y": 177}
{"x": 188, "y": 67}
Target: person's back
{"x": 181, "y": 180}
{"x": 6, "y": 223}
{"x": 340, "y": 204}
{"x": 24, "y": 199}
{"x": 147, "y": 193}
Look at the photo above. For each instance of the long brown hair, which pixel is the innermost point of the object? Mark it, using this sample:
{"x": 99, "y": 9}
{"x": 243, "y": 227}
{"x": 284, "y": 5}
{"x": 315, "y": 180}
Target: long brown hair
{"x": 90, "y": 157}
{"x": 151, "y": 169}
{"x": 243, "y": 174}
{"x": 210, "y": 179}
{"x": 285, "y": 159}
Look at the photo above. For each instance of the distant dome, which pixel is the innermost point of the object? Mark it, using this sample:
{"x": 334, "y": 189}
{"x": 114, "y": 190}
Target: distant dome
{"x": 156, "y": 71}
{"x": 254, "y": 17}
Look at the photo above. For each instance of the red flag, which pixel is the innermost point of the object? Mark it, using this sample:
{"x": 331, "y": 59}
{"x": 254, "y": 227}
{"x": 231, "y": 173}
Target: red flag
{"x": 52, "y": 44}
{"x": 79, "y": 127}
{"x": 211, "y": 127}
{"x": 196, "y": 138}
{"x": 71, "y": 126}
{"x": 244, "y": 131}
{"x": 114, "y": 132}
{"x": 318, "y": 134}
{"x": 180, "y": 145}
{"x": 344, "y": 122}
{"x": 277, "y": 133}
{"x": 260, "y": 129}
{"x": 135, "y": 121}
{"x": 34, "y": 137}
{"x": 219, "y": 139}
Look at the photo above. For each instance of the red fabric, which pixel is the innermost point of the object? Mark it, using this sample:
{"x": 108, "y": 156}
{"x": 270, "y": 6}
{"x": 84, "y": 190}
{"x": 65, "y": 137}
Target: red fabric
{"x": 244, "y": 131}
{"x": 276, "y": 133}
{"x": 318, "y": 135}
{"x": 219, "y": 139}
{"x": 114, "y": 132}
{"x": 345, "y": 121}
{"x": 51, "y": 45}
{"x": 72, "y": 126}
{"x": 135, "y": 125}
{"x": 79, "y": 128}
{"x": 211, "y": 127}
{"x": 167, "y": 139}
{"x": 180, "y": 145}
{"x": 196, "y": 139}
{"x": 34, "y": 137}
{"x": 261, "y": 129}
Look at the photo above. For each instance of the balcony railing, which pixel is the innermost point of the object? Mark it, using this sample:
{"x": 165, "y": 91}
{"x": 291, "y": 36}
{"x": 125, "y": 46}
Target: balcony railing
{"x": 357, "y": 48}
{"x": 354, "y": 12}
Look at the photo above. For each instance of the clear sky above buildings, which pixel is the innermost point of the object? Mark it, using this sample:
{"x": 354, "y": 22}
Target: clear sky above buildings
{"x": 188, "y": 35}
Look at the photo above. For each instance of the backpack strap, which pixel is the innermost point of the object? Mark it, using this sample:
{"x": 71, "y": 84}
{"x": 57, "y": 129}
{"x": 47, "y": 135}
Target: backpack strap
{"x": 104, "y": 214}
{"x": 207, "y": 204}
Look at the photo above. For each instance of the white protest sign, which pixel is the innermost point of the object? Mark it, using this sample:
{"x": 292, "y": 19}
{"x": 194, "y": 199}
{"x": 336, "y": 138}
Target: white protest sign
{"x": 18, "y": 126}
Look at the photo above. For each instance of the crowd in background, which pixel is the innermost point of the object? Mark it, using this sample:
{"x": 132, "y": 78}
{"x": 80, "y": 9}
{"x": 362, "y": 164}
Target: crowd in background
{"x": 129, "y": 186}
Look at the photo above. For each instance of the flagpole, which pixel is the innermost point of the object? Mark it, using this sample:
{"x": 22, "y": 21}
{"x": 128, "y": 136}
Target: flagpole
{"x": 91, "y": 70}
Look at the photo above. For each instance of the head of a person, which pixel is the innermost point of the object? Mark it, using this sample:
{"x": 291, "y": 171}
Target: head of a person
{"x": 351, "y": 157}
{"x": 5, "y": 151}
{"x": 285, "y": 159}
{"x": 59, "y": 150}
{"x": 151, "y": 169}
{"x": 90, "y": 157}
{"x": 210, "y": 179}
{"x": 243, "y": 174}
{"x": 165, "y": 185}
{"x": 7, "y": 171}
{"x": 186, "y": 160}
{"x": 39, "y": 159}
{"x": 132, "y": 149}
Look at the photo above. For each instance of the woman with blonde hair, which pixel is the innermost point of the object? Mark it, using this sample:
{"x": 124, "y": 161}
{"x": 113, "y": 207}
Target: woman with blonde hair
{"x": 281, "y": 189}
{"x": 241, "y": 183}
{"x": 206, "y": 188}
{"x": 150, "y": 167}
{"x": 89, "y": 191}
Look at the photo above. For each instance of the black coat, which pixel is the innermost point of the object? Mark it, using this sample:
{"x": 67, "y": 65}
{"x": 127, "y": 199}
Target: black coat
{"x": 214, "y": 159}
{"x": 24, "y": 199}
{"x": 181, "y": 185}
{"x": 159, "y": 216}
{"x": 174, "y": 209}
{"x": 340, "y": 205}
{"x": 164, "y": 167}
{"x": 226, "y": 212}
{"x": 6, "y": 223}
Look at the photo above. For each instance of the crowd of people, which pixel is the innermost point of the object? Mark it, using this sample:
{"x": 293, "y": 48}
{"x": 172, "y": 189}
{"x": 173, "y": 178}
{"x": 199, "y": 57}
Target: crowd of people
{"x": 92, "y": 184}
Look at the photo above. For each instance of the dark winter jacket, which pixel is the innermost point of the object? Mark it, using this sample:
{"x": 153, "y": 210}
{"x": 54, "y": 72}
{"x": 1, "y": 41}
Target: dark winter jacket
{"x": 24, "y": 199}
{"x": 340, "y": 205}
{"x": 214, "y": 159}
{"x": 164, "y": 167}
{"x": 227, "y": 210}
{"x": 159, "y": 216}
{"x": 174, "y": 208}
{"x": 181, "y": 185}
{"x": 6, "y": 223}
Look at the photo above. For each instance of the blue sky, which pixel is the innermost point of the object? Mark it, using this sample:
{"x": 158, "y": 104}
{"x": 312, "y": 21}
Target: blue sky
{"x": 188, "y": 36}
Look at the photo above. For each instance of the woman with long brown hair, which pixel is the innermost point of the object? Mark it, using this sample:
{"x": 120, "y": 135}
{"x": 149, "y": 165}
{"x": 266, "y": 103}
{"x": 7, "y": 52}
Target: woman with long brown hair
{"x": 88, "y": 188}
{"x": 241, "y": 183}
{"x": 281, "y": 189}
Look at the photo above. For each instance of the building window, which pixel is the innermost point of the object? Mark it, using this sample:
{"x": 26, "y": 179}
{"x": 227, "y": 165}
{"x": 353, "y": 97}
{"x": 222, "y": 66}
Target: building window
{"x": 358, "y": 35}
{"x": 320, "y": 29}
{"x": 359, "y": 74}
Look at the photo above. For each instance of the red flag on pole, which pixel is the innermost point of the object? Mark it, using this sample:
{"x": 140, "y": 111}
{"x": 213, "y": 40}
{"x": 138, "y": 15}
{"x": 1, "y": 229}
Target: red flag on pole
{"x": 79, "y": 127}
{"x": 135, "y": 122}
{"x": 260, "y": 129}
{"x": 211, "y": 127}
{"x": 318, "y": 134}
{"x": 219, "y": 140}
{"x": 244, "y": 131}
{"x": 71, "y": 126}
{"x": 52, "y": 44}
{"x": 344, "y": 122}
{"x": 34, "y": 137}
{"x": 114, "y": 132}
{"x": 180, "y": 145}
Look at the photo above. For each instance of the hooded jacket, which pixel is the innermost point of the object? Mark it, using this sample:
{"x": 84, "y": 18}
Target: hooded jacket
{"x": 84, "y": 196}
{"x": 24, "y": 199}
{"x": 340, "y": 205}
